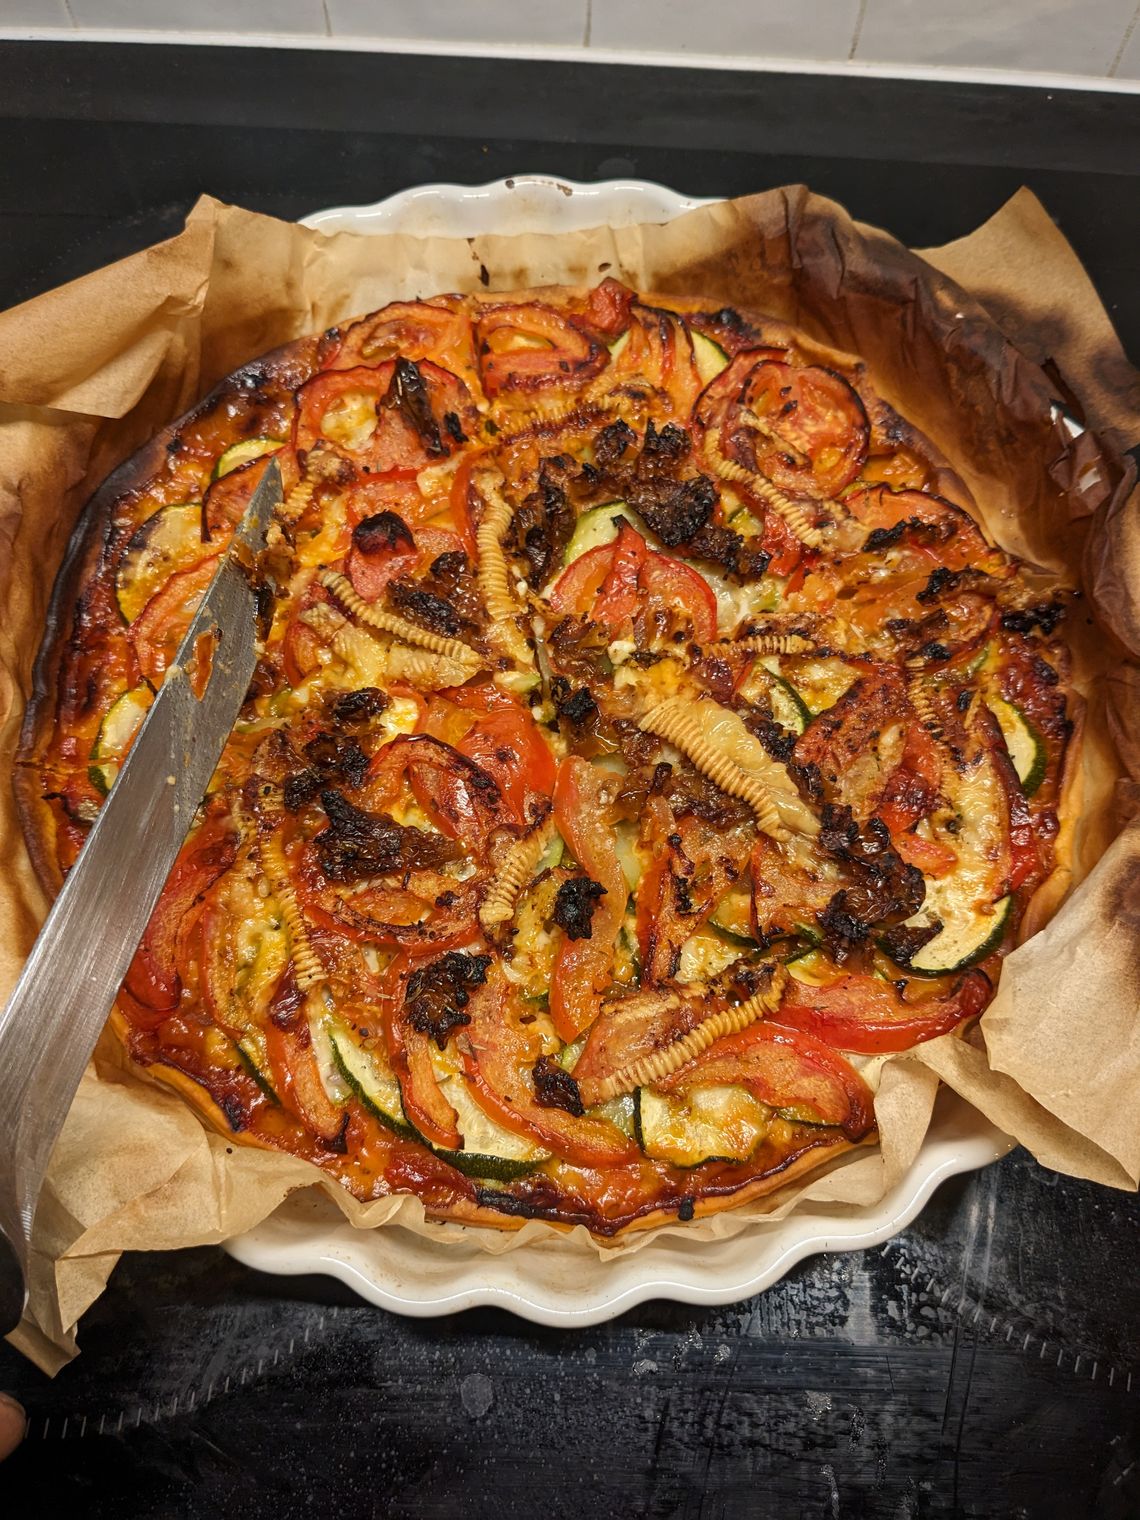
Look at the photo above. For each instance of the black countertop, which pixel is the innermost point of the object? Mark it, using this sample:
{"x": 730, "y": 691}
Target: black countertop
{"x": 986, "y": 1362}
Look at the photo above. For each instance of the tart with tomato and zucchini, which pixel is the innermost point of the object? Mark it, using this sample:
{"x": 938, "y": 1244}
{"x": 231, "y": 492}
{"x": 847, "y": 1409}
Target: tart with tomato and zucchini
{"x": 646, "y": 740}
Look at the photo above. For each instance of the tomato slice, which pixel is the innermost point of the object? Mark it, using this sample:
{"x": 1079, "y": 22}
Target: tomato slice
{"x": 622, "y": 580}
{"x": 911, "y": 790}
{"x": 959, "y": 541}
{"x": 459, "y": 796}
{"x": 159, "y": 628}
{"x": 867, "y": 1015}
{"x": 658, "y": 350}
{"x": 607, "y": 307}
{"x": 153, "y": 979}
{"x": 436, "y": 329}
{"x": 523, "y": 347}
{"x": 293, "y": 1067}
{"x": 584, "y": 967}
{"x": 693, "y": 866}
{"x": 508, "y": 746}
{"x": 619, "y": 595}
{"x": 345, "y": 407}
{"x": 429, "y": 914}
{"x": 502, "y": 739}
{"x": 409, "y": 1050}
{"x": 804, "y": 427}
{"x": 788, "y": 1069}
{"x": 499, "y": 1054}
{"x": 781, "y": 544}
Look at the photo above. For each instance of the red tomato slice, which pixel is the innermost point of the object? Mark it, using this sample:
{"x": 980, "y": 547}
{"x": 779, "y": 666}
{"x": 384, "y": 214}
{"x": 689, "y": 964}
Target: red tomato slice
{"x": 668, "y": 584}
{"x": 912, "y": 787}
{"x": 508, "y": 746}
{"x": 619, "y": 597}
{"x": 410, "y": 1053}
{"x": 704, "y": 864}
{"x": 812, "y": 434}
{"x": 345, "y": 408}
{"x": 787, "y": 1069}
{"x": 866, "y": 1015}
{"x": 781, "y": 543}
{"x": 460, "y": 798}
{"x": 373, "y": 493}
{"x": 552, "y": 349}
{"x": 431, "y": 914}
{"x": 618, "y": 581}
{"x": 584, "y": 967}
{"x": 498, "y": 1059}
{"x": 153, "y": 979}
{"x": 607, "y": 307}
{"x": 927, "y": 855}
{"x": 960, "y": 542}
{"x": 503, "y": 740}
{"x": 300, "y": 647}
{"x": 293, "y": 1068}
{"x": 158, "y": 630}
{"x": 436, "y": 329}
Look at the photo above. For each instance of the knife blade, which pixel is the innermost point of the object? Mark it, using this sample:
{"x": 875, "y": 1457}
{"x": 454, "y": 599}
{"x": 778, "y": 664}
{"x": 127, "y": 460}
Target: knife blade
{"x": 51, "y": 1022}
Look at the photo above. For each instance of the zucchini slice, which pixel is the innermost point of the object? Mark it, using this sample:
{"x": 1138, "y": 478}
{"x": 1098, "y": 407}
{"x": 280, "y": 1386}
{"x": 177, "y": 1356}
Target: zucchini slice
{"x": 702, "y": 1124}
{"x": 813, "y": 969}
{"x": 710, "y": 357}
{"x": 368, "y": 1073}
{"x": 489, "y": 1151}
{"x": 594, "y": 528}
{"x": 118, "y": 728}
{"x": 788, "y": 707}
{"x": 251, "y": 1053}
{"x": 819, "y": 683}
{"x": 241, "y": 453}
{"x": 1025, "y": 745}
{"x": 169, "y": 540}
{"x": 965, "y": 901}
{"x": 967, "y": 939}
{"x": 706, "y": 954}
{"x": 732, "y": 916}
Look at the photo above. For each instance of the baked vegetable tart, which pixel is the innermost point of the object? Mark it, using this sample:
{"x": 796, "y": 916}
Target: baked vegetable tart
{"x": 646, "y": 741}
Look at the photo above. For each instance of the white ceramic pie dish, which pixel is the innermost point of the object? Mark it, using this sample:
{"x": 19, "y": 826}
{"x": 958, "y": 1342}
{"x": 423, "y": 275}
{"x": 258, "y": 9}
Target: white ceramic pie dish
{"x": 558, "y": 1281}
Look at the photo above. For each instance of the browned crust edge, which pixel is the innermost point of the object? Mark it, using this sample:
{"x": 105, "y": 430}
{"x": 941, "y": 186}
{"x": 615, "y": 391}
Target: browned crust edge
{"x": 474, "y": 1214}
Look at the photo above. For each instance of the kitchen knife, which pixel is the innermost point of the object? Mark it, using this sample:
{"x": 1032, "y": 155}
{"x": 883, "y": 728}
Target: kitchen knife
{"x": 60, "y": 1003}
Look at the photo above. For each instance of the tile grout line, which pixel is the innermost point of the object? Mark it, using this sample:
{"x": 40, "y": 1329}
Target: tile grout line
{"x": 589, "y": 25}
{"x": 1124, "y": 41}
{"x": 858, "y": 32}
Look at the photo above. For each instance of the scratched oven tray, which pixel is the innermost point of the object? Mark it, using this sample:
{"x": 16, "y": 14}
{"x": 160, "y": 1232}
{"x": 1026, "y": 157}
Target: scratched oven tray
{"x": 557, "y": 1281}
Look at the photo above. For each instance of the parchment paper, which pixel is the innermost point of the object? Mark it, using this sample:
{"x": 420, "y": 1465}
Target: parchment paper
{"x": 90, "y": 371}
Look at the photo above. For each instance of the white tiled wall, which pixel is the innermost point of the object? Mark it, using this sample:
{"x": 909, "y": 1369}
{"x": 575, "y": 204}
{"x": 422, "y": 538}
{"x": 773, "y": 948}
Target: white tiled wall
{"x": 1085, "y": 40}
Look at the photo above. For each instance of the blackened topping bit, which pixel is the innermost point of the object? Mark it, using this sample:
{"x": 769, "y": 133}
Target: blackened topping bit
{"x": 437, "y": 994}
{"x": 423, "y": 607}
{"x": 903, "y": 942}
{"x": 408, "y": 394}
{"x": 612, "y": 442}
{"x": 382, "y": 531}
{"x": 885, "y": 889}
{"x": 554, "y": 1087}
{"x": 676, "y": 510}
{"x": 358, "y": 843}
{"x": 940, "y": 579}
{"x": 1045, "y": 616}
{"x": 338, "y": 755}
{"x": 574, "y": 905}
{"x": 358, "y": 706}
{"x": 576, "y": 706}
